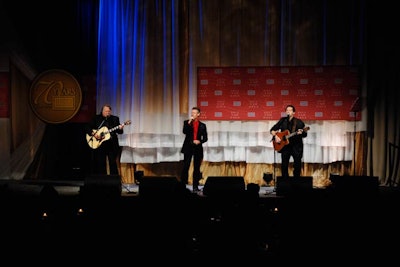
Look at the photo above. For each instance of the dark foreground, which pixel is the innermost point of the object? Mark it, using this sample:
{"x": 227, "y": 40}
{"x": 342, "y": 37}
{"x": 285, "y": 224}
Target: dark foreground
{"x": 321, "y": 226}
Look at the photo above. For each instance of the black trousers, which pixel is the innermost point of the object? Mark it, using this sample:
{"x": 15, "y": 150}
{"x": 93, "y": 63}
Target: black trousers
{"x": 107, "y": 151}
{"x": 297, "y": 155}
{"x": 197, "y": 156}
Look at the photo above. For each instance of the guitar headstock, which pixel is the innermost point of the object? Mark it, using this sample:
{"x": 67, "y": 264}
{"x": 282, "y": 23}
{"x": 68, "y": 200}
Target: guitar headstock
{"x": 127, "y": 122}
{"x": 306, "y": 128}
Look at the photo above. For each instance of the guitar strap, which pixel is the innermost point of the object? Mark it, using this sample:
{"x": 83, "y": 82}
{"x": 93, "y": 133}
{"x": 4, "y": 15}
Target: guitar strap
{"x": 101, "y": 124}
{"x": 294, "y": 125}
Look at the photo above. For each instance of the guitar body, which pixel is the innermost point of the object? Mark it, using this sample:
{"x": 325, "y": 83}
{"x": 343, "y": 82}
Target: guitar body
{"x": 284, "y": 136}
{"x": 104, "y": 133}
{"x": 284, "y": 141}
{"x": 94, "y": 142}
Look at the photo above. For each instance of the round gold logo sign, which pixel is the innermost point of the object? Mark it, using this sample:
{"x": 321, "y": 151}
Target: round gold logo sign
{"x": 55, "y": 96}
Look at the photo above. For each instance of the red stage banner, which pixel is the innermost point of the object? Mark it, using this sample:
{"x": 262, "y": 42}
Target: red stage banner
{"x": 4, "y": 95}
{"x": 262, "y": 93}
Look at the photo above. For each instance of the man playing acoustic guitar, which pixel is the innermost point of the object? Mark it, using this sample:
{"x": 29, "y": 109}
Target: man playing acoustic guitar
{"x": 104, "y": 144}
{"x": 287, "y": 137}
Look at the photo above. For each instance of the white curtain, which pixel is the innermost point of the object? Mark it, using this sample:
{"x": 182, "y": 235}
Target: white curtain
{"x": 245, "y": 141}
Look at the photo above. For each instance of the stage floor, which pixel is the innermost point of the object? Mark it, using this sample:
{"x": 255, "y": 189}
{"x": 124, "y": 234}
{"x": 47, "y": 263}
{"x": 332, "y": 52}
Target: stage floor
{"x": 73, "y": 187}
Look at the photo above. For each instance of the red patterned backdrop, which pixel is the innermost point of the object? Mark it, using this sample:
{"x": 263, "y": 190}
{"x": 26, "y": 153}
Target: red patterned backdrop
{"x": 261, "y": 93}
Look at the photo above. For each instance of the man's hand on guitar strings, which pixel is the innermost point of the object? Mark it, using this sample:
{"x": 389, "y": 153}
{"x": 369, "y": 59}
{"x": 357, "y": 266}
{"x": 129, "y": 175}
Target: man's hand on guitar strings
{"x": 99, "y": 136}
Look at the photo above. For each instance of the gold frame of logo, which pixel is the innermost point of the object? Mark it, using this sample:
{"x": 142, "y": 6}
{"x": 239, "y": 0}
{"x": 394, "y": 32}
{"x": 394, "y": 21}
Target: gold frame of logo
{"x": 55, "y": 96}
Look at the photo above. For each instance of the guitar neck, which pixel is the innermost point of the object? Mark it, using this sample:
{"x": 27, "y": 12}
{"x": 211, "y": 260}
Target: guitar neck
{"x": 290, "y": 135}
{"x": 295, "y": 133}
{"x": 114, "y": 128}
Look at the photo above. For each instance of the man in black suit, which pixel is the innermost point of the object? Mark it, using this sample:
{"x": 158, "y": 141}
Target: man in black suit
{"x": 195, "y": 135}
{"x": 102, "y": 135}
{"x": 294, "y": 147}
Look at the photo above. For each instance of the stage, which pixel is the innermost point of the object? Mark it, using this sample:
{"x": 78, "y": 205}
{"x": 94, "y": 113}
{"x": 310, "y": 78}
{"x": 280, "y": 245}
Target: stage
{"x": 74, "y": 188}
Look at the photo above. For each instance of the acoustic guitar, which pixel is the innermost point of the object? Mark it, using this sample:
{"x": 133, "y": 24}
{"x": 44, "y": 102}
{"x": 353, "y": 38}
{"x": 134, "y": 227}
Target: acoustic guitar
{"x": 284, "y": 136}
{"x": 104, "y": 133}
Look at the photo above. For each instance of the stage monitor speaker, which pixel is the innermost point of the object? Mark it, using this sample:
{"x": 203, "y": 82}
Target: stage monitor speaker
{"x": 103, "y": 185}
{"x": 294, "y": 186}
{"x": 156, "y": 186}
{"x": 222, "y": 186}
{"x": 355, "y": 184}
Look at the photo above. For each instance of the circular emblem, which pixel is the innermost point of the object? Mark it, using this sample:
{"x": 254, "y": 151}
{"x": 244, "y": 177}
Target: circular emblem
{"x": 55, "y": 96}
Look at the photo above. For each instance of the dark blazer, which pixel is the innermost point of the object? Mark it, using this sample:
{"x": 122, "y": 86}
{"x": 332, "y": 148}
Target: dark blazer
{"x": 202, "y": 136}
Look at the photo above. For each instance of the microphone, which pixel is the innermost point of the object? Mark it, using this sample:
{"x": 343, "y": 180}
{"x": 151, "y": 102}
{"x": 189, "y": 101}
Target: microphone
{"x": 191, "y": 119}
{"x": 288, "y": 117}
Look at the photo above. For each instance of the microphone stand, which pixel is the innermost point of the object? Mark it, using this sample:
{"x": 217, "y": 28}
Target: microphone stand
{"x": 274, "y": 176}
{"x": 355, "y": 107}
{"x": 274, "y": 167}
{"x": 274, "y": 171}
{"x": 354, "y": 143}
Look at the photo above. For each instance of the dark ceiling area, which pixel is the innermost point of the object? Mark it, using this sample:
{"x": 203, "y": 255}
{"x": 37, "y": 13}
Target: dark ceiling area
{"x": 54, "y": 34}
{"x": 63, "y": 34}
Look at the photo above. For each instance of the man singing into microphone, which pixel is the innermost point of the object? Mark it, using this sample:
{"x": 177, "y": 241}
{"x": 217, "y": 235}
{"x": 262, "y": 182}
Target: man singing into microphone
{"x": 109, "y": 149}
{"x": 195, "y": 135}
{"x": 294, "y": 148}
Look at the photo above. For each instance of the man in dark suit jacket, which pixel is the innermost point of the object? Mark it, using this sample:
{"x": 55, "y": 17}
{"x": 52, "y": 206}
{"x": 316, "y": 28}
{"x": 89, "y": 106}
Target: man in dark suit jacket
{"x": 104, "y": 141}
{"x": 293, "y": 148}
{"x": 196, "y": 135}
